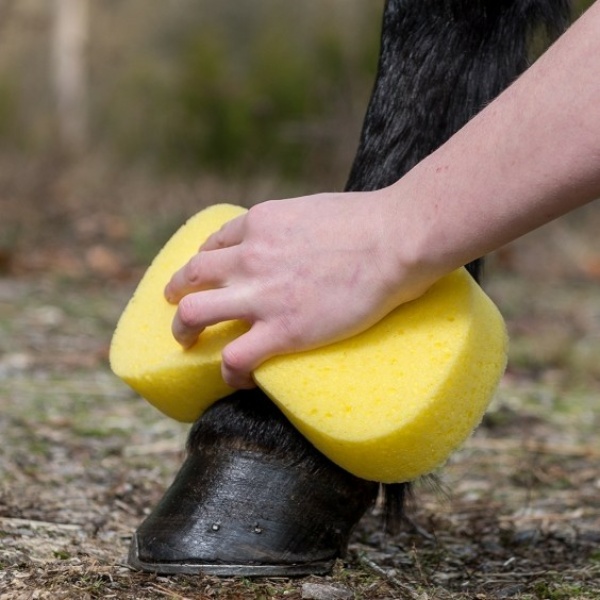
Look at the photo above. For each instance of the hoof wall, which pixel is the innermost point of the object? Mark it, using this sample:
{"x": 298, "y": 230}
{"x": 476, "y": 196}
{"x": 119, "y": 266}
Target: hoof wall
{"x": 226, "y": 570}
{"x": 233, "y": 511}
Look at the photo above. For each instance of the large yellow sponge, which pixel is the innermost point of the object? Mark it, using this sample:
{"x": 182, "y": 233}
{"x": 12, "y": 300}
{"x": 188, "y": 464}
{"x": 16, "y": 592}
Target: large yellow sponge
{"x": 389, "y": 404}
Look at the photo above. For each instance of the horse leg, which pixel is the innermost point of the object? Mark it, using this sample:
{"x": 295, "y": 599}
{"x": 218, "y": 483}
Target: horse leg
{"x": 254, "y": 497}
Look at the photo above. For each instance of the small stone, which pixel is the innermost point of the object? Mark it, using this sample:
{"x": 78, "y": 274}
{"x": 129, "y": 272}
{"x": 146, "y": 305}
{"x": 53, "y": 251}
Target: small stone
{"x": 318, "y": 591}
{"x": 510, "y": 591}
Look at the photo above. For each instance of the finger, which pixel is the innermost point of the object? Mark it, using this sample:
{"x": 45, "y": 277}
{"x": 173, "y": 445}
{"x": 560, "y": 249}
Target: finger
{"x": 203, "y": 271}
{"x": 230, "y": 234}
{"x": 197, "y": 311}
{"x": 241, "y": 356}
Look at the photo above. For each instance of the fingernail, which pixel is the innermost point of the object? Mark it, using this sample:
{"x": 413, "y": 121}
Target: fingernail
{"x": 188, "y": 343}
{"x": 239, "y": 383}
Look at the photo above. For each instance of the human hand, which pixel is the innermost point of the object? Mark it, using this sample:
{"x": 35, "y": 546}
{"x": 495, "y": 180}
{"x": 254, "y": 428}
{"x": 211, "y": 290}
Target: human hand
{"x": 302, "y": 273}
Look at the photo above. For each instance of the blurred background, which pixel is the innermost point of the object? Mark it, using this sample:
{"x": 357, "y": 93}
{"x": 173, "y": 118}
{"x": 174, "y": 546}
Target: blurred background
{"x": 120, "y": 118}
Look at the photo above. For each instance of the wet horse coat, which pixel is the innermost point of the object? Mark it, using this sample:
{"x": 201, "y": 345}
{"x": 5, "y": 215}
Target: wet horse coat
{"x": 253, "y": 496}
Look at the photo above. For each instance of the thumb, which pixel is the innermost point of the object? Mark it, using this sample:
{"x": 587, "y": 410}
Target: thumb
{"x": 241, "y": 356}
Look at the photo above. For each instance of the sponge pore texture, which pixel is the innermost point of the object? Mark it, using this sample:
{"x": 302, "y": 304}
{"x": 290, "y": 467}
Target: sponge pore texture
{"x": 389, "y": 404}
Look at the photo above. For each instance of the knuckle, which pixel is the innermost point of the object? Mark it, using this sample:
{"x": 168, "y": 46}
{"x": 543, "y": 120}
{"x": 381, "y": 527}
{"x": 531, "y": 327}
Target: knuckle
{"x": 218, "y": 238}
{"x": 258, "y": 212}
{"x": 290, "y": 332}
{"x": 191, "y": 270}
{"x": 233, "y": 360}
{"x": 251, "y": 258}
{"x": 187, "y": 312}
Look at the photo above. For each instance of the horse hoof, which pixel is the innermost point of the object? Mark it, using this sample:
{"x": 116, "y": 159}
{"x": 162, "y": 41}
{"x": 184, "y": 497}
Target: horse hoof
{"x": 253, "y": 498}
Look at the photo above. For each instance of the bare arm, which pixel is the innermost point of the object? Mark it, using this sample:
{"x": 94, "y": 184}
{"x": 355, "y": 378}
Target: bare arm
{"x": 308, "y": 271}
{"x": 529, "y": 157}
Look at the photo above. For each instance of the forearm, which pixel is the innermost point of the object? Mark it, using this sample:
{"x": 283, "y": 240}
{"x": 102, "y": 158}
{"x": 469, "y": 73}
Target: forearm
{"x": 529, "y": 157}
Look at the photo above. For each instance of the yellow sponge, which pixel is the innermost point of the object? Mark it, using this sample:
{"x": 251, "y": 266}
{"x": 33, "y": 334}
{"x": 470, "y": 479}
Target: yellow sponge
{"x": 389, "y": 404}
{"x": 143, "y": 352}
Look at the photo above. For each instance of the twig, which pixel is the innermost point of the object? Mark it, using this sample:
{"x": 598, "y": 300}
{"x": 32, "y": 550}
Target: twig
{"x": 509, "y": 576}
{"x": 586, "y": 451}
{"x": 32, "y": 524}
{"x": 170, "y": 593}
{"x": 367, "y": 562}
{"x": 161, "y": 447}
{"x": 553, "y": 517}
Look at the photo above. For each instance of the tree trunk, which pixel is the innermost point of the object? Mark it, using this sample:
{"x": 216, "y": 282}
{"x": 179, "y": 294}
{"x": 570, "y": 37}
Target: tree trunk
{"x": 69, "y": 72}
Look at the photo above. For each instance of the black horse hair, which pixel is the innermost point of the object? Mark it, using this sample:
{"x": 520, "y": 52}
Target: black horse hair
{"x": 440, "y": 63}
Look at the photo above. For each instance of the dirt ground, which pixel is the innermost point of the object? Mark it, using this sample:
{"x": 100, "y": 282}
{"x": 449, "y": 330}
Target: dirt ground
{"x": 516, "y": 513}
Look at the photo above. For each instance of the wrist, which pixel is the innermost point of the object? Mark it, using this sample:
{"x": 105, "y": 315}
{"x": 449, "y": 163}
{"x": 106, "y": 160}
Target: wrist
{"x": 409, "y": 241}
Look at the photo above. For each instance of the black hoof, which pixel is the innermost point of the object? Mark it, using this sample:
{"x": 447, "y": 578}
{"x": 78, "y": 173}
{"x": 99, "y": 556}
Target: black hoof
{"x": 253, "y": 498}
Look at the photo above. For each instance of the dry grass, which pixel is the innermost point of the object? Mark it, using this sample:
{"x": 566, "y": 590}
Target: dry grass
{"x": 82, "y": 459}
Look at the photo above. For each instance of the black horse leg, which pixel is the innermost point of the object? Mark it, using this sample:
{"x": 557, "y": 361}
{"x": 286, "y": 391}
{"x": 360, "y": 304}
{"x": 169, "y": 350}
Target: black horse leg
{"x": 253, "y": 497}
